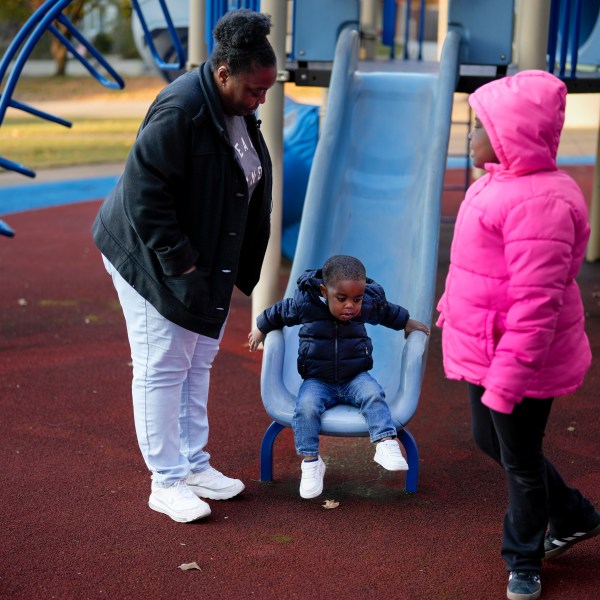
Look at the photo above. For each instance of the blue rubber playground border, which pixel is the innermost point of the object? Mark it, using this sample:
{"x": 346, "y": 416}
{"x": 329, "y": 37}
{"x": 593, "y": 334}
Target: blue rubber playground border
{"x": 455, "y": 162}
{"x": 32, "y": 196}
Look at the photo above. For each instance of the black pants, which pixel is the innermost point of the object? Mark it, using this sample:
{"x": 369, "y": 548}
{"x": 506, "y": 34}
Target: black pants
{"x": 537, "y": 495}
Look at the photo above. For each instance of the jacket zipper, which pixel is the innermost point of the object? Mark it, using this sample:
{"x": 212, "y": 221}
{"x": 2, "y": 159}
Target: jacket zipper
{"x": 335, "y": 352}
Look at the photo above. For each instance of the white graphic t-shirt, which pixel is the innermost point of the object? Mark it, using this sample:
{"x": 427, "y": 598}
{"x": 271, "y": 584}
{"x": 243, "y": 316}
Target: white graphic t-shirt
{"x": 239, "y": 138}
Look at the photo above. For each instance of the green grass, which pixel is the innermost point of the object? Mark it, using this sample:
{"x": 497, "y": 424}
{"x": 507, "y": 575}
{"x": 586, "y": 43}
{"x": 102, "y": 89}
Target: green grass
{"x": 39, "y": 89}
{"x": 39, "y": 144}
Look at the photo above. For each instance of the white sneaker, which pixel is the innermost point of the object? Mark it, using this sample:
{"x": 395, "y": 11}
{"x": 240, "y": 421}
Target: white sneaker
{"x": 311, "y": 484}
{"x": 389, "y": 456}
{"x": 178, "y": 502}
{"x": 214, "y": 485}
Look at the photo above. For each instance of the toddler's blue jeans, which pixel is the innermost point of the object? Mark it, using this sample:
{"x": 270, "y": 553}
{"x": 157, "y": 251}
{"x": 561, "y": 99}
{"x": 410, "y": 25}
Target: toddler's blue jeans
{"x": 316, "y": 396}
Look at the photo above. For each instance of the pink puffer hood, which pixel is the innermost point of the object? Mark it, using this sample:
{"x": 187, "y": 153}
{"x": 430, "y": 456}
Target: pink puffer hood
{"x": 523, "y": 116}
{"x": 511, "y": 312}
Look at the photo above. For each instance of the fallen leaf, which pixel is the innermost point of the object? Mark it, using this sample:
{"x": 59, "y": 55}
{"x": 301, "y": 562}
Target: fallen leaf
{"x": 330, "y": 504}
{"x": 188, "y": 566}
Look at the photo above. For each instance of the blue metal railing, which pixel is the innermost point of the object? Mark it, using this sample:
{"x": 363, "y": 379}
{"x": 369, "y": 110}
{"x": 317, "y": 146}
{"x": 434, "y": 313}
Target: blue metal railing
{"x": 564, "y": 27}
{"x": 177, "y": 45}
{"x": 44, "y": 18}
{"x": 388, "y": 37}
{"x": 215, "y": 9}
{"x": 6, "y": 229}
{"x": 19, "y": 51}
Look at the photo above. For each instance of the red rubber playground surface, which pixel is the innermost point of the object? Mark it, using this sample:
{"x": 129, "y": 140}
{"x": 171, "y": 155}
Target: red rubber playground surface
{"x": 74, "y": 522}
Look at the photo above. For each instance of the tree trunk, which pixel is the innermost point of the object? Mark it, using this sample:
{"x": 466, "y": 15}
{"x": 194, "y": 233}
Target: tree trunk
{"x": 59, "y": 54}
{"x": 74, "y": 12}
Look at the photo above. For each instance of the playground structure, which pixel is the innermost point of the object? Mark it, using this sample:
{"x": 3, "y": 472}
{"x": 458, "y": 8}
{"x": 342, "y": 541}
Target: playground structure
{"x": 162, "y": 29}
{"x": 569, "y": 47}
{"x": 365, "y": 181}
{"x": 161, "y": 32}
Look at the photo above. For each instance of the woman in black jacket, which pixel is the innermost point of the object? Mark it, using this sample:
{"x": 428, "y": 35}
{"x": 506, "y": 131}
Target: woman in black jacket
{"x": 188, "y": 220}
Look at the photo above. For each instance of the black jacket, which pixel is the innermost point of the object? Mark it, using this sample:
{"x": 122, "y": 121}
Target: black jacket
{"x": 183, "y": 200}
{"x": 330, "y": 349}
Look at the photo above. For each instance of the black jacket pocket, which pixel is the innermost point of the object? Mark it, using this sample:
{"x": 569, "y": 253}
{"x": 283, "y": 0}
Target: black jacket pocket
{"x": 191, "y": 289}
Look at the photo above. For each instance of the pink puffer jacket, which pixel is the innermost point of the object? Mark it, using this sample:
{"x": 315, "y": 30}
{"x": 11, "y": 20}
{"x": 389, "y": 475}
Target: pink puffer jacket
{"x": 511, "y": 313}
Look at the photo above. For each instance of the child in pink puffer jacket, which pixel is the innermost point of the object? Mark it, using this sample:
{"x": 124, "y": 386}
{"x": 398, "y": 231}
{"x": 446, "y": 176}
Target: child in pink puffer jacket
{"x": 512, "y": 314}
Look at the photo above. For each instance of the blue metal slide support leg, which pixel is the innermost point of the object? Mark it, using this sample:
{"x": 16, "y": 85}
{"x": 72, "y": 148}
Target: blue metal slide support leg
{"x": 412, "y": 458}
{"x": 266, "y": 451}
{"x": 405, "y": 437}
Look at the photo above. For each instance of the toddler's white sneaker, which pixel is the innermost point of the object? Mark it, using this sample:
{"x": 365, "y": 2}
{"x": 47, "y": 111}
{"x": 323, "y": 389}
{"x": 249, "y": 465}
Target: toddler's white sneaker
{"x": 389, "y": 456}
{"x": 311, "y": 484}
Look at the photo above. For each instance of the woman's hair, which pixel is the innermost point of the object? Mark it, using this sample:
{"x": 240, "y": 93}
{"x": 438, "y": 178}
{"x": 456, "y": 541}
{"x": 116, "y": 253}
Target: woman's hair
{"x": 242, "y": 43}
{"x": 341, "y": 267}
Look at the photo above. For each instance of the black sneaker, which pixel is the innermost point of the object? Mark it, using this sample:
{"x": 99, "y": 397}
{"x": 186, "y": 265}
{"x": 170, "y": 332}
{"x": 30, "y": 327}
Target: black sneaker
{"x": 524, "y": 585}
{"x": 554, "y": 546}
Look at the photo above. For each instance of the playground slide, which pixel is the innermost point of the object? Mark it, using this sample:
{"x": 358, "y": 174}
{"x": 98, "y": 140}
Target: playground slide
{"x": 374, "y": 192}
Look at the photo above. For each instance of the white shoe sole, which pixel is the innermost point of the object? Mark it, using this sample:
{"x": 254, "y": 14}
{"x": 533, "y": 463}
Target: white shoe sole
{"x": 402, "y": 467}
{"x": 514, "y": 596}
{"x": 309, "y": 495}
{"x": 203, "y": 511}
{"x": 224, "y": 494}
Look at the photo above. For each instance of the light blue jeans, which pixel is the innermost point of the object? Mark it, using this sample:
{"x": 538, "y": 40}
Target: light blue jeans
{"x": 316, "y": 396}
{"x": 171, "y": 375}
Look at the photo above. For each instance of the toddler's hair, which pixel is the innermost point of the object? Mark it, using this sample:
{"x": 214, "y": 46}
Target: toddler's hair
{"x": 242, "y": 43}
{"x": 341, "y": 267}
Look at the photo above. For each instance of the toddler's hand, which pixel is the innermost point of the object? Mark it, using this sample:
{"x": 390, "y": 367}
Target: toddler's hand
{"x": 255, "y": 338}
{"x": 412, "y": 325}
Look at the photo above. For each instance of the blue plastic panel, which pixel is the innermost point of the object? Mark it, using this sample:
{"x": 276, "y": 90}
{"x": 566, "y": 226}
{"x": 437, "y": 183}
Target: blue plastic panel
{"x": 589, "y": 49}
{"x": 318, "y": 24}
{"x": 486, "y": 30}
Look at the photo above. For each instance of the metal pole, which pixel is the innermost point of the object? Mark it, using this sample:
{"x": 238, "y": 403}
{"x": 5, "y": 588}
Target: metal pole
{"x": 533, "y": 19}
{"x": 442, "y": 26}
{"x": 407, "y": 30}
{"x": 267, "y": 291}
{"x": 593, "y": 249}
{"x": 368, "y": 20}
{"x": 197, "y": 50}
